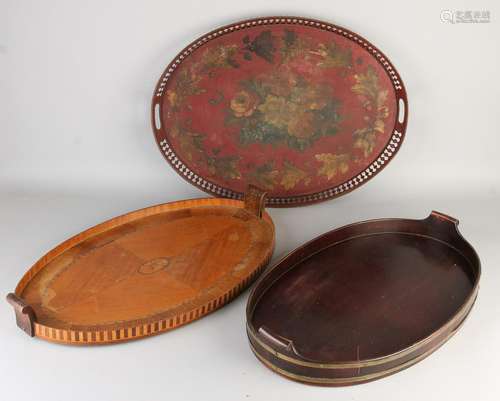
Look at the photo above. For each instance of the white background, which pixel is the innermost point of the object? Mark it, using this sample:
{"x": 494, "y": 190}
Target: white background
{"x": 76, "y": 79}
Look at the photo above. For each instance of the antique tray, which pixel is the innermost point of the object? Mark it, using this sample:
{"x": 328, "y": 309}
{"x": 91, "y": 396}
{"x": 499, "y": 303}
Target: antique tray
{"x": 304, "y": 111}
{"x": 145, "y": 272}
{"x": 363, "y": 301}
{"x": 301, "y": 108}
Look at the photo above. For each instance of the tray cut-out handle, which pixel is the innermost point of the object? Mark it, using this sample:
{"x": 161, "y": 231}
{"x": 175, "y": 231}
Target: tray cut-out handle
{"x": 25, "y": 315}
{"x": 441, "y": 217}
{"x": 286, "y": 343}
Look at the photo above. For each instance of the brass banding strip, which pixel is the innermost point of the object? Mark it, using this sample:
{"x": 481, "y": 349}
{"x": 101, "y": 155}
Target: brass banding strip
{"x": 460, "y": 316}
{"x": 347, "y": 380}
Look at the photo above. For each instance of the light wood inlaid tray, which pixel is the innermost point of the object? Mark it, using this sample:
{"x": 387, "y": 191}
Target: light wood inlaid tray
{"x": 145, "y": 272}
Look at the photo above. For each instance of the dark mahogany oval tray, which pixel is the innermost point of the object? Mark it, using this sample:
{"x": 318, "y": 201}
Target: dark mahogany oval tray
{"x": 301, "y": 108}
{"x": 145, "y": 272}
{"x": 363, "y": 301}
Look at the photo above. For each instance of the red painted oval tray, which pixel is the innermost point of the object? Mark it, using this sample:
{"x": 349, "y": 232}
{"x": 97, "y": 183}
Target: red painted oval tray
{"x": 301, "y": 108}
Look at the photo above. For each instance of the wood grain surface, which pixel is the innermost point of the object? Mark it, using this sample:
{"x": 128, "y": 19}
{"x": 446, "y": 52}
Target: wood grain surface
{"x": 363, "y": 301}
{"x": 147, "y": 271}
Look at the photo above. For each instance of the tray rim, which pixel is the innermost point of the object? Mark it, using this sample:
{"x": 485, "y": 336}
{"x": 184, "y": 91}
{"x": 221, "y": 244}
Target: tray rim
{"x": 384, "y": 157}
{"x": 318, "y": 381}
{"x": 434, "y": 340}
{"x": 136, "y": 328}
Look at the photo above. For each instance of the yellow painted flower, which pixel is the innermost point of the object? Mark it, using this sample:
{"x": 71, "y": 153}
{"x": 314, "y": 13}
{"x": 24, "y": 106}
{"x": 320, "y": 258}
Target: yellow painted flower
{"x": 382, "y": 97}
{"x": 301, "y": 125}
{"x": 280, "y": 83}
{"x": 311, "y": 97}
{"x": 365, "y": 140}
{"x": 268, "y": 179}
{"x": 219, "y": 56}
{"x": 190, "y": 145}
{"x": 332, "y": 164}
{"x": 277, "y": 110}
{"x": 264, "y": 176}
{"x": 292, "y": 176}
{"x": 175, "y": 130}
{"x": 374, "y": 99}
{"x": 367, "y": 84}
{"x": 383, "y": 112}
{"x": 243, "y": 104}
{"x": 365, "y": 145}
{"x": 172, "y": 98}
{"x": 379, "y": 126}
{"x": 332, "y": 56}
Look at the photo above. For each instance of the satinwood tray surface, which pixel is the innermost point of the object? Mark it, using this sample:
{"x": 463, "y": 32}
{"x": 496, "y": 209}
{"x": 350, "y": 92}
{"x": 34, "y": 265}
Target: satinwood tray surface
{"x": 363, "y": 301}
{"x": 145, "y": 272}
{"x": 301, "y": 108}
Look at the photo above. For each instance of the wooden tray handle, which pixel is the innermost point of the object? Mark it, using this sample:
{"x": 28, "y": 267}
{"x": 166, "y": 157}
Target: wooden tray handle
{"x": 441, "y": 217}
{"x": 281, "y": 341}
{"x": 25, "y": 315}
{"x": 255, "y": 200}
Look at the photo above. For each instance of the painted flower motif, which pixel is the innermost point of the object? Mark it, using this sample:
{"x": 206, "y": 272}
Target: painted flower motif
{"x": 220, "y": 56}
{"x": 307, "y": 113}
{"x": 265, "y": 175}
{"x": 172, "y": 98}
{"x": 292, "y": 176}
{"x": 310, "y": 97}
{"x": 292, "y": 103}
{"x": 192, "y": 145}
{"x": 381, "y": 107}
{"x": 332, "y": 164}
{"x": 280, "y": 82}
{"x": 366, "y": 84}
{"x": 373, "y": 100}
{"x": 332, "y": 56}
{"x": 364, "y": 139}
{"x": 243, "y": 104}
{"x": 301, "y": 125}
{"x": 186, "y": 85}
{"x": 288, "y": 105}
{"x": 224, "y": 167}
{"x": 379, "y": 125}
{"x": 277, "y": 110}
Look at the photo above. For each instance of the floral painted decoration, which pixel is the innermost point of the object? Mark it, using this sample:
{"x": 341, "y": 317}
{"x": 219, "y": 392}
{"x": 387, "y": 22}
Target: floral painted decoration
{"x": 290, "y": 108}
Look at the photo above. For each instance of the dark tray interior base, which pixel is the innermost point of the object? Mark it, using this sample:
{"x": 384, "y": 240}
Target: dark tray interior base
{"x": 363, "y": 301}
